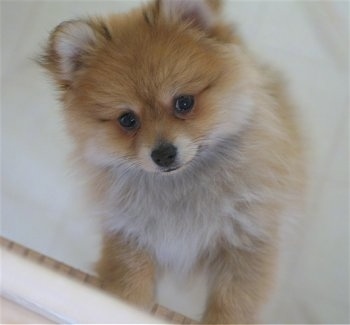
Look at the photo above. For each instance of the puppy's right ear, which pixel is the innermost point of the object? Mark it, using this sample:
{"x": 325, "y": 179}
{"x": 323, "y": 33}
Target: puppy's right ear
{"x": 200, "y": 13}
{"x": 69, "y": 45}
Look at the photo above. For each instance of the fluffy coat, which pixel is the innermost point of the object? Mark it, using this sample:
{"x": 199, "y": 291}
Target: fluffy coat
{"x": 241, "y": 175}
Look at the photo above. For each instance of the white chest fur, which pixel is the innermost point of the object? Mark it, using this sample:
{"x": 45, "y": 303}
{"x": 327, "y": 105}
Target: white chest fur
{"x": 176, "y": 218}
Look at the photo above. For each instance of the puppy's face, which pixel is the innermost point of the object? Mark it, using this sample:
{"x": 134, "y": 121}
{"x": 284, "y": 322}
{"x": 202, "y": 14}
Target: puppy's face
{"x": 153, "y": 89}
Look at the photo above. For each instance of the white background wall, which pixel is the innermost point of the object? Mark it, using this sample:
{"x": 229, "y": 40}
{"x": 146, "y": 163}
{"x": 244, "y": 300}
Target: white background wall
{"x": 42, "y": 204}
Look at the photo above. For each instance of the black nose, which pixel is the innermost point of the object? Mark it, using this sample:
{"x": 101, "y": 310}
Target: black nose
{"x": 164, "y": 155}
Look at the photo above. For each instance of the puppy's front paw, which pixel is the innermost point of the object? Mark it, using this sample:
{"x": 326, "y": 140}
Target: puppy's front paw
{"x": 226, "y": 315}
{"x": 141, "y": 295}
{"x": 216, "y": 317}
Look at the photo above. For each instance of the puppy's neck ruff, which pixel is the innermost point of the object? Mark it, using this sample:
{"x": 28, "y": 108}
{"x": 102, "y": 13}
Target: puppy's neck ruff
{"x": 180, "y": 216}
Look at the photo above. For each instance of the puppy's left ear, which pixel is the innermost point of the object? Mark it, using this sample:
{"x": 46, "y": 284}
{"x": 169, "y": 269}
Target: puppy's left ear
{"x": 201, "y": 13}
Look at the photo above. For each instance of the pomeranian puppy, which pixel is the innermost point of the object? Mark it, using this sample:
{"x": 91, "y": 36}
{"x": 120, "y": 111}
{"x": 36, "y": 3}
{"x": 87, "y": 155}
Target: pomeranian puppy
{"x": 191, "y": 146}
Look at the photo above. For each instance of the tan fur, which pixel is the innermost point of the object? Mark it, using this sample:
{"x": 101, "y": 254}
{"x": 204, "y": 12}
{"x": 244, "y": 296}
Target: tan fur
{"x": 127, "y": 271}
{"x": 236, "y": 296}
{"x": 140, "y": 61}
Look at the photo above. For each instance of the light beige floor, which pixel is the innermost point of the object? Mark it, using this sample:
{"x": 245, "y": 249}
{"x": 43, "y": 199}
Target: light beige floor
{"x": 13, "y": 313}
{"x": 42, "y": 205}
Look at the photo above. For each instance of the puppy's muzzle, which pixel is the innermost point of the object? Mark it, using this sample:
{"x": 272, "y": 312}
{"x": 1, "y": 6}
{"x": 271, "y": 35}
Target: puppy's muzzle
{"x": 164, "y": 155}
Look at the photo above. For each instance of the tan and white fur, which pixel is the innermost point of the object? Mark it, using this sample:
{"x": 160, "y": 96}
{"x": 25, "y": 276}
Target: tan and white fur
{"x": 237, "y": 178}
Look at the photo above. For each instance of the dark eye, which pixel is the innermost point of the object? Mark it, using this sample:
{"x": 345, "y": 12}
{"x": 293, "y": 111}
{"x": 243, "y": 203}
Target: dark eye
{"x": 184, "y": 104}
{"x": 129, "y": 121}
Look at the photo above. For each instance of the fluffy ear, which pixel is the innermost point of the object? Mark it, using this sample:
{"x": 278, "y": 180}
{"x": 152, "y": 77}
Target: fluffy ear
{"x": 201, "y": 13}
{"x": 69, "y": 44}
